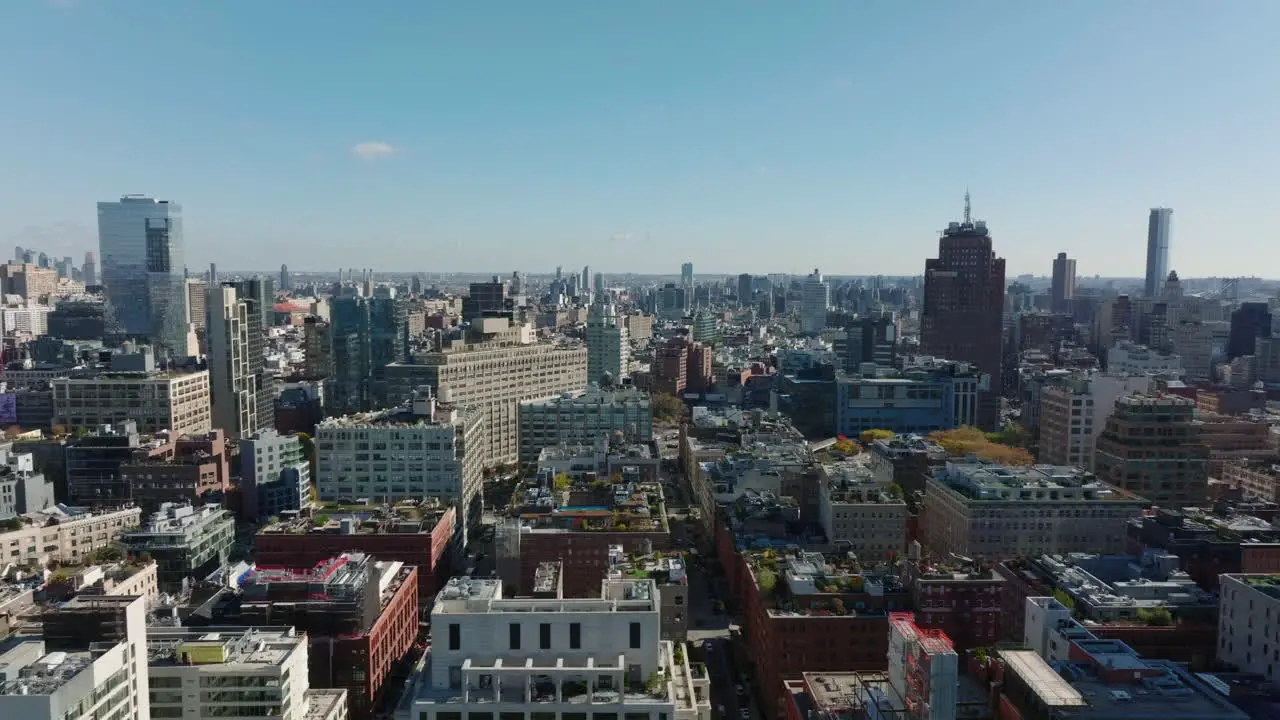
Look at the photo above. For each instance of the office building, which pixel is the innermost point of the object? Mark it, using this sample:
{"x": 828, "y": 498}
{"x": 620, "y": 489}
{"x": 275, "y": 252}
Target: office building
{"x": 495, "y": 375}
{"x": 746, "y": 294}
{"x": 259, "y": 671}
{"x": 1249, "y": 322}
{"x": 173, "y": 401}
{"x": 860, "y": 514}
{"x": 493, "y": 654}
{"x": 1151, "y": 446}
{"x": 1063, "y": 287}
{"x": 197, "y": 290}
{"x": 94, "y": 460}
{"x": 286, "y": 281}
{"x": 424, "y": 450}
{"x": 682, "y": 365}
{"x": 672, "y": 302}
{"x": 232, "y": 381}
{"x": 1159, "y": 226}
{"x": 89, "y": 271}
{"x": 686, "y": 276}
{"x": 815, "y": 298}
{"x": 186, "y": 542}
{"x": 871, "y": 339}
{"x": 87, "y": 678}
{"x": 984, "y": 510}
{"x": 275, "y": 475}
{"x": 608, "y": 346}
{"x": 187, "y": 470}
{"x": 77, "y": 320}
{"x": 1127, "y": 358}
{"x": 65, "y": 535}
{"x": 367, "y": 335}
{"x": 927, "y": 395}
{"x": 317, "y": 348}
{"x": 143, "y": 262}
{"x": 259, "y": 296}
{"x": 963, "y": 313}
{"x": 583, "y": 418}
{"x": 31, "y": 283}
{"x": 486, "y": 297}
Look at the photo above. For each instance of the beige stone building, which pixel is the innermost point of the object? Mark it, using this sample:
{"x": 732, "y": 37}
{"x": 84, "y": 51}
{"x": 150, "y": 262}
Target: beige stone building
{"x": 65, "y": 537}
{"x": 174, "y": 401}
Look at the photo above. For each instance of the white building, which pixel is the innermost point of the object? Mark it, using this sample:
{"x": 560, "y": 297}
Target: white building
{"x": 256, "y": 672}
{"x": 608, "y": 345}
{"x": 424, "y": 450}
{"x": 1200, "y": 345}
{"x": 859, "y": 513}
{"x": 232, "y": 386}
{"x": 79, "y": 685}
{"x": 581, "y": 419}
{"x": 66, "y": 535}
{"x": 275, "y": 474}
{"x": 814, "y": 301}
{"x": 29, "y": 318}
{"x": 559, "y": 656}
{"x": 1127, "y": 358}
{"x": 1249, "y": 624}
{"x": 1073, "y": 413}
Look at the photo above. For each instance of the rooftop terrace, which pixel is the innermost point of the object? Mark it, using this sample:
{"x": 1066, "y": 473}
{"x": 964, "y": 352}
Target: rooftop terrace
{"x": 408, "y": 517}
{"x": 980, "y": 480}
{"x": 269, "y": 646}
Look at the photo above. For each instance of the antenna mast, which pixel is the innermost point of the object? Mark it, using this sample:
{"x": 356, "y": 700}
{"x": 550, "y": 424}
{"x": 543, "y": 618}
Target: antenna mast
{"x": 966, "y": 206}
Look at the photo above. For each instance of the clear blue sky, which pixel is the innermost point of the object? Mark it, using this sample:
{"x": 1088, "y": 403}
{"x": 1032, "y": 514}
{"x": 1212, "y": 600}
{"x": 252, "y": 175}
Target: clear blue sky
{"x": 741, "y": 135}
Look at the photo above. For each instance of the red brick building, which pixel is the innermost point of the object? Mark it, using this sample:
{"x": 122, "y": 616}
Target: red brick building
{"x": 182, "y": 471}
{"x": 967, "y": 604}
{"x": 360, "y": 616}
{"x": 423, "y": 542}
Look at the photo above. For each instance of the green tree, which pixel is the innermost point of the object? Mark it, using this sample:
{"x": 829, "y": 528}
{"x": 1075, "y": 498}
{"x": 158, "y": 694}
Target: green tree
{"x": 767, "y": 580}
{"x": 562, "y": 482}
{"x": 666, "y": 407}
{"x": 1066, "y": 600}
{"x": 1158, "y": 617}
{"x": 309, "y": 452}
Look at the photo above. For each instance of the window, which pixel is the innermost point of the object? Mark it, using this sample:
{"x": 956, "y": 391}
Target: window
{"x": 455, "y": 636}
{"x": 575, "y": 636}
{"x": 544, "y": 636}
{"x": 635, "y": 635}
{"x": 515, "y": 636}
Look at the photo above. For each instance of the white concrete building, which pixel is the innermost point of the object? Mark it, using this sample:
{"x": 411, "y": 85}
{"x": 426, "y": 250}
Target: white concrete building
{"x": 859, "y": 513}
{"x": 1199, "y": 345}
{"x": 815, "y": 298}
{"x": 256, "y": 672}
{"x": 582, "y": 418}
{"x": 1249, "y": 624}
{"x": 608, "y": 345}
{"x": 64, "y": 535}
{"x": 1126, "y": 358}
{"x": 79, "y": 685}
{"x": 555, "y": 656}
{"x": 232, "y": 385}
{"x": 424, "y": 450}
{"x": 29, "y": 318}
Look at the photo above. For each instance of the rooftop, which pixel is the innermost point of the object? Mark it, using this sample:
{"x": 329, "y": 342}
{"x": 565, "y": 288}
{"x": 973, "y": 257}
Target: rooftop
{"x": 594, "y": 396}
{"x": 173, "y": 519}
{"x": 28, "y": 670}
{"x": 406, "y": 518}
{"x": 259, "y": 646}
{"x": 980, "y": 480}
{"x": 803, "y": 577}
{"x": 418, "y": 412}
{"x": 1268, "y": 585}
{"x": 465, "y": 595}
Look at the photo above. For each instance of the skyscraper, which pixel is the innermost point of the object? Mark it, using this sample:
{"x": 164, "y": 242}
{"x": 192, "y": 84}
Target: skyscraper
{"x": 963, "y": 313}
{"x": 586, "y": 278}
{"x": 368, "y": 334}
{"x": 232, "y": 387}
{"x": 1158, "y": 229}
{"x": 744, "y": 290}
{"x": 19, "y": 254}
{"x": 259, "y": 296}
{"x": 815, "y": 299}
{"x": 599, "y": 283}
{"x": 286, "y": 282}
{"x": 1064, "y": 283}
{"x": 140, "y": 240}
{"x": 686, "y": 275}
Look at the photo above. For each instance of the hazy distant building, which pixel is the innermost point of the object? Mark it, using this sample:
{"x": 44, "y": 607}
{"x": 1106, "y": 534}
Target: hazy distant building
{"x": 1064, "y": 283}
{"x": 143, "y": 261}
{"x": 686, "y": 275}
{"x": 286, "y": 282}
{"x": 1158, "y": 230}
{"x": 89, "y": 272}
{"x": 608, "y": 347}
{"x": 815, "y": 298}
{"x": 745, "y": 293}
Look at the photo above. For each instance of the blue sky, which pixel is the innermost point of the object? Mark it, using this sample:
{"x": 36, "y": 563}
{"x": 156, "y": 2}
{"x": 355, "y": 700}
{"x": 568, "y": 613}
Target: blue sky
{"x": 741, "y": 135}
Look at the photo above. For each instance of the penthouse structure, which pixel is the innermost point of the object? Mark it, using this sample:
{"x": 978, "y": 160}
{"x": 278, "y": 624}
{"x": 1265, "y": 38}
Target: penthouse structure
{"x": 63, "y": 534}
{"x": 980, "y": 509}
{"x": 424, "y": 450}
{"x": 904, "y": 460}
{"x": 363, "y": 613}
{"x": 156, "y": 400}
{"x": 83, "y": 676}
{"x": 416, "y": 534}
{"x": 505, "y": 368}
{"x": 255, "y": 672}
{"x": 556, "y": 656}
{"x": 582, "y": 418}
{"x": 185, "y": 541}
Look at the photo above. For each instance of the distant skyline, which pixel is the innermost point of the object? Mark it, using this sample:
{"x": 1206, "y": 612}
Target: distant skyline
{"x": 635, "y": 137}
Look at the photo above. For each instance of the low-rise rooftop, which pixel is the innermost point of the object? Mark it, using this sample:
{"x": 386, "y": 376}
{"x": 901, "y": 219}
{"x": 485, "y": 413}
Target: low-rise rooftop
{"x": 983, "y": 481}
{"x": 404, "y": 518}
{"x": 269, "y": 646}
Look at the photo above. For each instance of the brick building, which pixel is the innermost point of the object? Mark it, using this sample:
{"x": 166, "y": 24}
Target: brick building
{"x": 190, "y": 470}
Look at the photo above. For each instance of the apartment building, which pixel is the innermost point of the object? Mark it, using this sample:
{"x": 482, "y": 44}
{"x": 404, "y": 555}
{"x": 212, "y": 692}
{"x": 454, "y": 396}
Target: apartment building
{"x": 581, "y": 419}
{"x": 275, "y": 474}
{"x": 235, "y": 672}
{"x": 422, "y": 450}
{"x": 859, "y": 513}
{"x": 984, "y": 510}
{"x": 44, "y": 678}
{"x": 1128, "y": 358}
{"x": 1151, "y": 446}
{"x": 63, "y": 534}
{"x": 496, "y": 655}
{"x": 185, "y": 541}
{"x": 1249, "y": 624}
{"x": 505, "y": 368}
{"x": 173, "y": 401}
{"x": 1259, "y": 479}
{"x": 1074, "y": 410}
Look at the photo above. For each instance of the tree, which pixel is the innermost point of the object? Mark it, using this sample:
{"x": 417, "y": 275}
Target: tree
{"x": 965, "y": 441}
{"x": 767, "y": 580}
{"x": 1158, "y": 617}
{"x": 1066, "y": 600}
{"x": 846, "y": 446}
{"x": 562, "y": 482}
{"x": 665, "y": 407}
{"x": 869, "y": 436}
{"x": 1013, "y": 435}
{"x": 309, "y": 452}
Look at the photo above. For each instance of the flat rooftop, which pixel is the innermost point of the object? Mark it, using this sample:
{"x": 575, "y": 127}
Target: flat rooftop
{"x": 32, "y": 671}
{"x": 406, "y": 518}
{"x": 464, "y": 595}
{"x": 169, "y": 647}
{"x": 980, "y": 480}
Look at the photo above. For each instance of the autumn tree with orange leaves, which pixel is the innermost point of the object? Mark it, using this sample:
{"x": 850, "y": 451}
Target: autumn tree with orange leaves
{"x": 965, "y": 441}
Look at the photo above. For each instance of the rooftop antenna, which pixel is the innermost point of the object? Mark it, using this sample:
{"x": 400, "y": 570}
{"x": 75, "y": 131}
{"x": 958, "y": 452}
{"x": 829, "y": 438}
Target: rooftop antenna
{"x": 966, "y": 206}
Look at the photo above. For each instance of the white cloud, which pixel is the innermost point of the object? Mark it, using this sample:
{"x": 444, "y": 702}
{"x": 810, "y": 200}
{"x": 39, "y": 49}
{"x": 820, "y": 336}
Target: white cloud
{"x": 371, "y": 150}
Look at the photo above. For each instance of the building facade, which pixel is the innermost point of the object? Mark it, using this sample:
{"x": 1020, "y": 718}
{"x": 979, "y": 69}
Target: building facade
{"x": 177, "y": 402}
{"x": 608, "y": 346}
{"x": 143, "y": 270}
{"x": 1150, "y": 446}
{"x": 185, "y": 541}
{"x": 583, "y": 419}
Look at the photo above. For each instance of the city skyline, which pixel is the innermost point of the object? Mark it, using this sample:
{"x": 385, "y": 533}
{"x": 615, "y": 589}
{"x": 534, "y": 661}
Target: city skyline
{"x": 539, "y": 134}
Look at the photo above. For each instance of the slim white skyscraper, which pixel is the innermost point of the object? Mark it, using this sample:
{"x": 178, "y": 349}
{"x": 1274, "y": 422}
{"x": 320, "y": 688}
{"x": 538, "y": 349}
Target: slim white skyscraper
{"x": 142, "y": 251}
{"x": 232, "y": 386}
{"x": 814, "y": 301}
{"x": 1158, "y": 231}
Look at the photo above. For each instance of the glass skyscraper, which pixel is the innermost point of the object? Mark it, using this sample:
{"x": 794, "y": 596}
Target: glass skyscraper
{"x": 1158, "y": 227}
{"x": 142, "y": 254}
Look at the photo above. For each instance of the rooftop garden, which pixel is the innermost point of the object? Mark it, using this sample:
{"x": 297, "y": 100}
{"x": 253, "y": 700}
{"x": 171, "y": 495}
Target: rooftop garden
{"x": 970, "y": 441}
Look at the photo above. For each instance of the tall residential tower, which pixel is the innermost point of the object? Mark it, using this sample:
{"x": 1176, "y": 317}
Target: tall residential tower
{"x": 140, "y": 241}
{"x": 1158, "y": 230}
